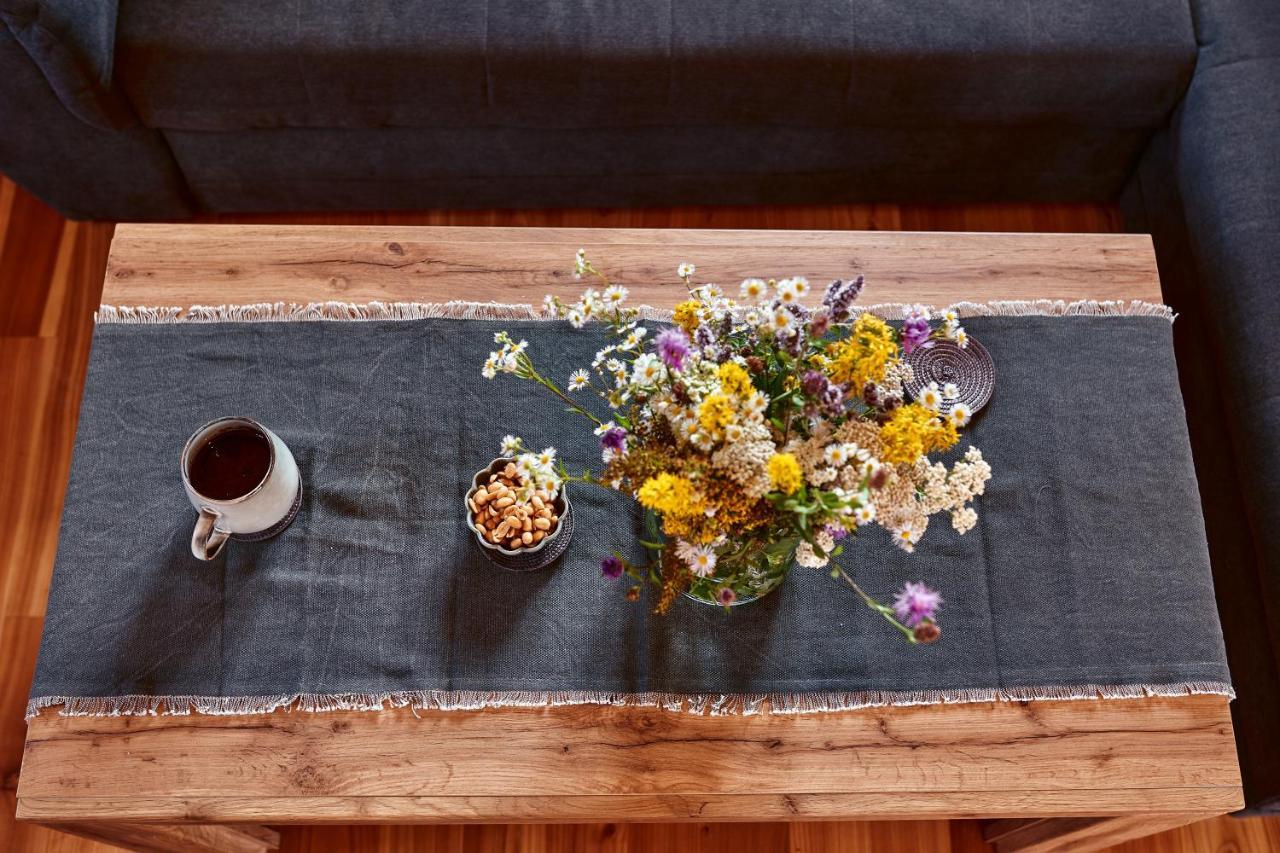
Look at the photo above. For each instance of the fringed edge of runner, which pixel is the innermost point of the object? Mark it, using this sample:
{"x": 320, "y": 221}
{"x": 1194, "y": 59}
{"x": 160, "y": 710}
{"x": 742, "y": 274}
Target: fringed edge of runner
{"x": 282, "y": 312}
{"x": 709, "y": 704}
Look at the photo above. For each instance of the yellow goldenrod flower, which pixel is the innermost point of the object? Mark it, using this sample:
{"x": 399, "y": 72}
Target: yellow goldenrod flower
{"x": 715, "y": 413}
{"x": 671, "y": 495}
{"x": 686, "y": 315}
{"x": 784, "y": 473}
{"x": 734, "y": 379}
{"x": 865, "y": 355}
{"x": 912, "y": 431}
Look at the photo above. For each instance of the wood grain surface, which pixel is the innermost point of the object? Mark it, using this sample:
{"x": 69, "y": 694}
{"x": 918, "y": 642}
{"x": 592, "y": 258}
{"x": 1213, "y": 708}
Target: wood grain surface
{"x": 216, "y": 264}
{"x": 50, "y": 279}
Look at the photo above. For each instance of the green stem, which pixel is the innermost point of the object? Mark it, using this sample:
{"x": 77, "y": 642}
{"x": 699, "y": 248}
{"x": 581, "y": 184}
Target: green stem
{"x": 883, "y": 609}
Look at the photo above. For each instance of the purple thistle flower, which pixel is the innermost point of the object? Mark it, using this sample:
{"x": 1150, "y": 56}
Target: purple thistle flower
{"x": 673, "y": 347}
{"x": 611, "y": 567}
{"x": 916, "y": 603}
{"x": 614, "y": 439}
{"x": 915, "y": 330}
{"x": 835, "y": 531}
{"x": 727, "y": 596}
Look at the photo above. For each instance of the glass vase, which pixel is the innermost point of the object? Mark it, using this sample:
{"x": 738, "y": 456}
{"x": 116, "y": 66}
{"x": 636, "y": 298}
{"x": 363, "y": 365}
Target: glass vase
{"x": 746, "y": 570}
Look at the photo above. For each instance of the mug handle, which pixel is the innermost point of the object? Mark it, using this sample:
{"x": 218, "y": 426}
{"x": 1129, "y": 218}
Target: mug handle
{"x": 207, "y": 540}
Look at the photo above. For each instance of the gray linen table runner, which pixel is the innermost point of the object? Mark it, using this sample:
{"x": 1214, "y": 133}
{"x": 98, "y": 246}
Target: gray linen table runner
{"x": 1087, "y": 575}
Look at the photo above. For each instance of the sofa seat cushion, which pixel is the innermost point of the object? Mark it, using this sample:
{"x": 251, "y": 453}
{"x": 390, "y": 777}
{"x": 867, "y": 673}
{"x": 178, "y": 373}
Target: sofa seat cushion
{"x": 214, "y": 65}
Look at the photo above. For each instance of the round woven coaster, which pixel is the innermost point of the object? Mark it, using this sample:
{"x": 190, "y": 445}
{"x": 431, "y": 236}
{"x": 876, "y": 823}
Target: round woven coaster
{"x": 970, "y": 368}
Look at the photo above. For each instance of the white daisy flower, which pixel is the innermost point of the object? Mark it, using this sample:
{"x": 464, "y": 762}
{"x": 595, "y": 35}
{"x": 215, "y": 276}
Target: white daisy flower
{"x": 578, "y": 380}
{"x": 864, "y": 514}
{"x": 782, "y": 319}
{"x": 950, "y": 318}
{"x": 755, "y": 289}
{"x": 634, "y": 337}
{"x": 710, "y": 292}
{"x": 605, "y": 427}
{"x": 822, "y": 476}
{"x": 906, "y": 538}
{"x": 836, "y": 454}
{"x": 648, "y": 369}
{"x": 550, "y": 305}
{"x": 603, "y": 354}
{"x": 702, "y": 441}
{"x": 755, "y": 405}
{"x": 753, "y": 318}
{"x": 787, "y": 291}
{"x": 511, "y": 445}
{"x": 930, "y": 397}
{"x": 701, "y": 559}
{"x": 961, "y": 414}
{"x": 960, "y": 336}
{"x": 490, "y": 368}
{"x": 686, "y": 270}
{"x": 576, "y": 317}
{"x": 733, "y": 433}
{"x": 547, "y": 458}
{"x": 615, "y": 294}
{"x": 950, "y": 391}
{"x": 800, "y": 285}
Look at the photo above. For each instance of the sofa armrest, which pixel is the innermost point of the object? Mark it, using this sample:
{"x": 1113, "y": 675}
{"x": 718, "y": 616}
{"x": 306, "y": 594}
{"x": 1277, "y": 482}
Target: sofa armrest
{"x": 72, "y": 42}
{"x": 1209, "y": 190}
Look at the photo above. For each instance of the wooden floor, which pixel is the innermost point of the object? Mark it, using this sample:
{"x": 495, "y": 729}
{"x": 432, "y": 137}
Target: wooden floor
{"x": 50, "y": 278}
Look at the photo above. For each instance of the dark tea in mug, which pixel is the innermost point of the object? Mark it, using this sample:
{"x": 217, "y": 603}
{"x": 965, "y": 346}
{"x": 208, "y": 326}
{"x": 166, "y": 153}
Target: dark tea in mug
{"x": 230, "y": 463}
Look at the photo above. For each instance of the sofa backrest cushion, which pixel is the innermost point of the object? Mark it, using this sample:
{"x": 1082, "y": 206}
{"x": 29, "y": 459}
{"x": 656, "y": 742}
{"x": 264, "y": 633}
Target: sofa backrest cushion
{"x": 216, "y": 65}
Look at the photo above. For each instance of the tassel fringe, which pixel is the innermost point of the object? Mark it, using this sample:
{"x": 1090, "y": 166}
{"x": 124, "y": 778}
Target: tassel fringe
{"x": 701, "y": 704}
{"x": 281, "y": 312}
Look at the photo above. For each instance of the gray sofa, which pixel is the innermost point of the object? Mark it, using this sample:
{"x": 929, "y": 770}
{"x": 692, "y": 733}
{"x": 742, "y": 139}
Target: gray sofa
{"x": 160, "y": 109}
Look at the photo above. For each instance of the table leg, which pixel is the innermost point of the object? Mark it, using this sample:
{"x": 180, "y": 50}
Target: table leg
{"x": 1077, "y": 834}
{"x": 174, "y": 837}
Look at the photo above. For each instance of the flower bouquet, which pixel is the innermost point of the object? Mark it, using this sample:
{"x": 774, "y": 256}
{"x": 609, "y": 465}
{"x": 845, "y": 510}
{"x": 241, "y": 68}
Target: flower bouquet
{"x": 758, "y": 433}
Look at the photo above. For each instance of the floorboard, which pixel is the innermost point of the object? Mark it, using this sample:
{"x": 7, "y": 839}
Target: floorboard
{"x": 50, "y": 279}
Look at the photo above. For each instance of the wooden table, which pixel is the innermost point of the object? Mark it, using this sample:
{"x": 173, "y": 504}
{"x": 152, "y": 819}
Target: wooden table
{"x": 1052, "y": 775}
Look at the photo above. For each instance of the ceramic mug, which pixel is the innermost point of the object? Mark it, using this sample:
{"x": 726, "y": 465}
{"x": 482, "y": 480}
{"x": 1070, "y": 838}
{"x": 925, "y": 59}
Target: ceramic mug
{"x": 243, "y": 481}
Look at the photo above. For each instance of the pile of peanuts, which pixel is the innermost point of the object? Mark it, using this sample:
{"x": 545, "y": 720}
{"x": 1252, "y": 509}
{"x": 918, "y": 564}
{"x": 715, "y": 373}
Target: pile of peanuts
{"x": 504, "y": 519}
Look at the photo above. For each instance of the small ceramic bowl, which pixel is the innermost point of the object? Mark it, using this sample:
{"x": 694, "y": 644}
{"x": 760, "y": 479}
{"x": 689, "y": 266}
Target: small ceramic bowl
{"x": 535, "y": 557}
